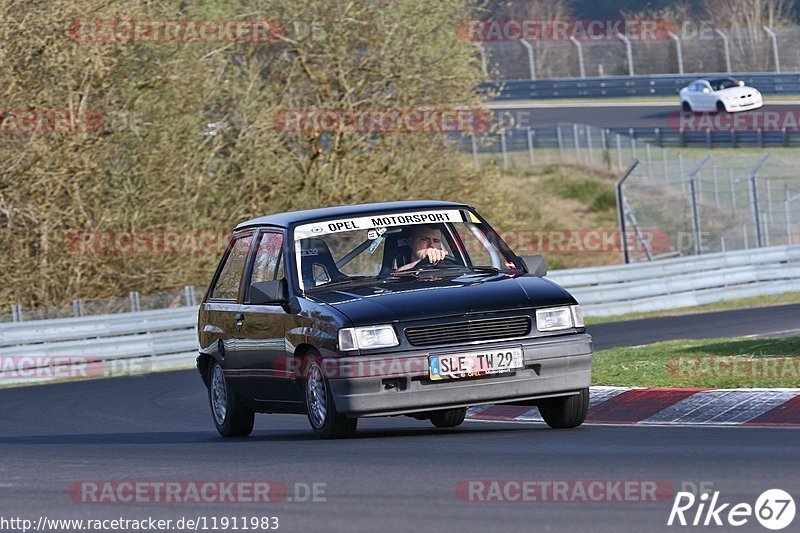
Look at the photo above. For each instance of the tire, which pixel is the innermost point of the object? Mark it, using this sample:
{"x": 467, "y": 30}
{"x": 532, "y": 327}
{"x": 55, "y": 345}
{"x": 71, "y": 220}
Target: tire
{"x": 565, "y": 412}
{"x": 721, "y": 107}
{"x": 231, "y": 418}
{"x": 448, "y": 418}
{"x": 686, "y": 107}
{"x": 326, "y": 422}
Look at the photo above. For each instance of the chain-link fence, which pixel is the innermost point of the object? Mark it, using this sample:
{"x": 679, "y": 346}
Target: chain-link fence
{"x": 190, "y": 295}
{"x": 700, "y": 49}
{"x": 714, "y": 204}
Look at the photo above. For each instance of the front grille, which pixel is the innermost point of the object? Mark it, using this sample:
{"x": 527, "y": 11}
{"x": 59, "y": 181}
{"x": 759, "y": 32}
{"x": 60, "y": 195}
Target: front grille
{"x": 475, "y": 330}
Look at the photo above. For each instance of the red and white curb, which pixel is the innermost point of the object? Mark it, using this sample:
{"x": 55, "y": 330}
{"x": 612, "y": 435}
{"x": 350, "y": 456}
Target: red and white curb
{"x": 666, "y": 406}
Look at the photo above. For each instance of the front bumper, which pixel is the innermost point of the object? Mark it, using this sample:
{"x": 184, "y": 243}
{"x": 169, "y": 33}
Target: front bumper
{"x": 378, "y": 385}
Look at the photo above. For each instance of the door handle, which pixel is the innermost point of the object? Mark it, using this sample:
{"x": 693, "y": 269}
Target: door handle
{"x": 239, "y": 318}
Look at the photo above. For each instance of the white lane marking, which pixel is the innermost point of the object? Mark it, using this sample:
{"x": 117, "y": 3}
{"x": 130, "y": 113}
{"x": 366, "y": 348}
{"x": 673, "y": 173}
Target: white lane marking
{"x": 652, "y": 425}
{"x": 721, "y": 407}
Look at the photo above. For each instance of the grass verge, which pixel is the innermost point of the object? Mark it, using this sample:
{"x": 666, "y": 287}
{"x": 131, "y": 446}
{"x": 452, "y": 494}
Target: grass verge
{"x": 707, "y": 363}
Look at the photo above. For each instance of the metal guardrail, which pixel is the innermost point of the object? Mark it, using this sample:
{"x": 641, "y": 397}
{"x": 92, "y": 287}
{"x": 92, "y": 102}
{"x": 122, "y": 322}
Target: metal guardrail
{"x": 166, "y": 339}
{"x": 683, "y": 281}
{"x": 620, "y": 86}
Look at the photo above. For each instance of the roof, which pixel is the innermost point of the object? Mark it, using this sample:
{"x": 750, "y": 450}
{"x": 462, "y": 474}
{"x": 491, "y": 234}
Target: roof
{"x": 296, "y": 217}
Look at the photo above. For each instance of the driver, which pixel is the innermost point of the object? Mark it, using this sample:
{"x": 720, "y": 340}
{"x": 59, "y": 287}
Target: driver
{"x": 426, "y": 242}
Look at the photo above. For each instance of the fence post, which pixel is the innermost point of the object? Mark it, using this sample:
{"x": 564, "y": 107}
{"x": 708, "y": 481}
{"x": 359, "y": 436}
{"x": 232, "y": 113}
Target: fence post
{"x": 484, "y": 66}
{"x": 475, "y": 152}
{"x": 531, "y": 59}
{"x": 504, "y": 148}
{"x": 577, "y": 144}
{"x": 629, "y": 51}
{"x": 579, "y": 46}
{"x": 16, "y": 313}
{"x": 698, "y": 249}
{"x": 560, "y": 141}
{"x": 678, "y": 49}
{"x": 188, "y": 292}
{"x": 77, "y": 307}
{"x": 657, "y": 135}
{"x": 774, "y": 40}
{"x": 589, "y": 144}
{"x": 619, "y": 152}
{"x": 134, "y": 296}
{"x": 726, "y": 48}
{"x": 754, "y": 200}
{"x": 530, "y": 147}
{"x": 621, "y": 210}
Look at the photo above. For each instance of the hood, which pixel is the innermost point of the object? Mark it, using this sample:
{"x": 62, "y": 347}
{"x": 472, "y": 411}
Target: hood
{"x": 737, "y": 91}
{"x": 406, "y": 300}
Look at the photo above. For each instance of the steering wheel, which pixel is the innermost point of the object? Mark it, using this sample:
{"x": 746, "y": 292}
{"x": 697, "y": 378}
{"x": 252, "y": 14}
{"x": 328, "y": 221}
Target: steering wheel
{"x": 447, "y": 261}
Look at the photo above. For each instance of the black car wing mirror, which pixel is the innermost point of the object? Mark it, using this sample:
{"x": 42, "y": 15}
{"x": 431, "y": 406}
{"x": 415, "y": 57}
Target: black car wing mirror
{"x": 535, "y": 264}
{"x": 269, "y": 292}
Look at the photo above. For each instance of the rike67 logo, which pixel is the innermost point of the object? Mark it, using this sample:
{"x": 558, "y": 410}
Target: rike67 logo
{"x": 774, "y": 509}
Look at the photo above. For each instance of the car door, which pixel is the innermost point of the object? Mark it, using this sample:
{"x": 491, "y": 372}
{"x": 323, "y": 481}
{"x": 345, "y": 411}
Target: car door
{"x": 222, "y": 305}
{"x": 706, "y": 100}
{"x": 263, "y": 327}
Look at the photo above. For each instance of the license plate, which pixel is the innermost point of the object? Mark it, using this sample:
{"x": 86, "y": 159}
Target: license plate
{"x": 472, "y": 364}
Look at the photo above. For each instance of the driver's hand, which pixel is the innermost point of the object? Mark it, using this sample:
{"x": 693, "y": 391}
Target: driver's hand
{"x": 434, "y": 255}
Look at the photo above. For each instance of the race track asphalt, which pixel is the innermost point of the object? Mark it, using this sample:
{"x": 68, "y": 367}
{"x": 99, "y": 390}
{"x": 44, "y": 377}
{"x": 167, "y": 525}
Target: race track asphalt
{"x": 397, "y": 474}
{"x": 631, "y": 115}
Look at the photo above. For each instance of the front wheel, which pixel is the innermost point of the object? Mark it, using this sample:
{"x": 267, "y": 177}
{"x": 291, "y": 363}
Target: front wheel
{"x": 720, "y": 107}
{"x": 326, "y": 422}
{"x": 230, "y": 416}
{"x": 565, "y": 411}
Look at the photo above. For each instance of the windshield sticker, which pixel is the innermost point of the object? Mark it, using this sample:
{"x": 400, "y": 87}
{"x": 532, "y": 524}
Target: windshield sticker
{"x": 375, "y": 221}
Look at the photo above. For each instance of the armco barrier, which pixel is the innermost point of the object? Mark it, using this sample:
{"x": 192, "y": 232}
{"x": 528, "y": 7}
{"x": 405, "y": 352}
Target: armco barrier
{"x": 166, "y": 339}
{"x": 683, "y": 281}
{"x": 621, "y": 86}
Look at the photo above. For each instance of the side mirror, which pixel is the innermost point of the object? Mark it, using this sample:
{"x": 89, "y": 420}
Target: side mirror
{"x": 706, "y": 90}
{"x": 269, "y": 292}
{"x": 741, "y": 83}
{"x": 535, "y": 264}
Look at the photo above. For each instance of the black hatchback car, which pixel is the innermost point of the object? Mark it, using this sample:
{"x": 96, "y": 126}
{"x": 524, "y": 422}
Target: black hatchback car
{"x": 401, "y": 308}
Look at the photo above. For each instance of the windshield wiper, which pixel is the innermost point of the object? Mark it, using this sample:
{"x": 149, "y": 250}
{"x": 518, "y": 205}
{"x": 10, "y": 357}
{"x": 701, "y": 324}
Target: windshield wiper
{"x": 493, "y": 270}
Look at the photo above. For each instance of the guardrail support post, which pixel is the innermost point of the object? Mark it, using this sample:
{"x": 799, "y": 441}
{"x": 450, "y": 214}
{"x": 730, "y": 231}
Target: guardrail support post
{"x": 775, "y": 55}
{"x": 134, "y": 296}
{"x": 189, "y": 294}
{"x": 484, "y": 66}
{"x": 629, "y": 51}
{"x": 16, "y": 313}
{"x": 579, "y": 46}
{"x": 621, "y": 210}
{"x": 475, "y": 161}
{"x": 77, "y": 307}
{"x": 531, "y": 58}
{"x": 726, "y": 48}
{"x": 678, "y": 49}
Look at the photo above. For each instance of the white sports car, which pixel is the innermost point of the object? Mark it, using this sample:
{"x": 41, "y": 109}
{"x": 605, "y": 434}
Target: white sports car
{"x": 719, "y": 94}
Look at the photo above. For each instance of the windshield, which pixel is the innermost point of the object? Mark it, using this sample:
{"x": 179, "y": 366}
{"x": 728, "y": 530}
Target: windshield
{"x": 725, "y": 83}
{"x": 388, "y": 246}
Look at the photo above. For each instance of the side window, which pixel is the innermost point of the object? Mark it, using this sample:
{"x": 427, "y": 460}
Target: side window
{"x": 268, "y": 265}
{"x": 230, "y": 277}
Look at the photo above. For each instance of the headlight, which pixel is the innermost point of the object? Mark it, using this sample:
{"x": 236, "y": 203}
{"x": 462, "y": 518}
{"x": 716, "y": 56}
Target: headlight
{"x": 367, "y": 337}
{"x": 557, "y": 318}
